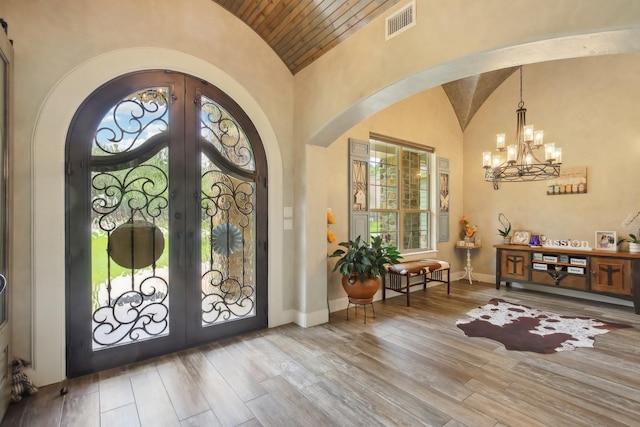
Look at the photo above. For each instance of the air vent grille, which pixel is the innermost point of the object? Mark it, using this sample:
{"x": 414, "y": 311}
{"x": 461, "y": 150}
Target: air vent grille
{"x": 400, "y": 21}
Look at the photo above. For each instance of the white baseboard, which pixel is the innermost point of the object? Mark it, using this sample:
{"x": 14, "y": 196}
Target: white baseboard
{"x": 282, "y": 318}
{"x": 311, "y": 319}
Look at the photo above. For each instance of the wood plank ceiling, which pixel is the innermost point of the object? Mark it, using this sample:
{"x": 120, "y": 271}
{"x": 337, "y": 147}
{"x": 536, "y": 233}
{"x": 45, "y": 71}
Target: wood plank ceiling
{"x": 301, "y": 31}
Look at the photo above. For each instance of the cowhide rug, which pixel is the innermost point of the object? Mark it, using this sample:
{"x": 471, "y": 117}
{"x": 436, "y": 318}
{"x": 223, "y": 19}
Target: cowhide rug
{"x": 523, "y": 328}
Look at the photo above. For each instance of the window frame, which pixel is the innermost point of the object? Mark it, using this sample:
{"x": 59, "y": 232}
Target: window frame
{"x": 400, "y": 210}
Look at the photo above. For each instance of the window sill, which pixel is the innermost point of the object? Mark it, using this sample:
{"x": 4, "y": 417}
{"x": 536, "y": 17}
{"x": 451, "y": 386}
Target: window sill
{"x": 417, "y": 255}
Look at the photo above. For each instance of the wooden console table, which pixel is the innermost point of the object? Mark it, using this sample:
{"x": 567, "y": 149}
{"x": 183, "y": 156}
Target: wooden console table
{"x": 615, "y": 274}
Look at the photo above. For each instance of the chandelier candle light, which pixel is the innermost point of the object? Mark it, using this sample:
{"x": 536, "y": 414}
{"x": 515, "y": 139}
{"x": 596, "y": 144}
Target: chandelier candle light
{"x": 521, "y": 163}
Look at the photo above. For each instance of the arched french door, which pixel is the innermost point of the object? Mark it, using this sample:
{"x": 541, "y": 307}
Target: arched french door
{"x": 166, "y": 224}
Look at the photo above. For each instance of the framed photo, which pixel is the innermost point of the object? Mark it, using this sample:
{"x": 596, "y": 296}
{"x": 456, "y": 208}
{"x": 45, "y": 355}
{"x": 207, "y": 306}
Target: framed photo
{"x": 606, "y": 241}
{"x": 521, "y": 237}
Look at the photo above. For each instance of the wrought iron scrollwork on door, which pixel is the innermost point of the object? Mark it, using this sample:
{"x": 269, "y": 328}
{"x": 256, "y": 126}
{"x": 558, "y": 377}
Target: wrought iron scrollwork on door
{"x": 228, "y": 280}
{"x": 228, "y": 217}
{"x": 129, "y": 185}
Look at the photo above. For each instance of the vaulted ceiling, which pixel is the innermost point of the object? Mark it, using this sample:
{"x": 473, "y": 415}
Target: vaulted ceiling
{"x": 467, "y": 95}
{"x": 301, "y": 31}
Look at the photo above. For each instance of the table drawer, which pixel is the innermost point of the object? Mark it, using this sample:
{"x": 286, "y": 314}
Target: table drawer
{"x": 569, "y": 281}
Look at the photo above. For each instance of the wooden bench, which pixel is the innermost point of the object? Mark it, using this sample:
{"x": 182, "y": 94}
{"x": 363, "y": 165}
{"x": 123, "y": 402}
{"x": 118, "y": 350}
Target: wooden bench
{"x": 400, "y": 276}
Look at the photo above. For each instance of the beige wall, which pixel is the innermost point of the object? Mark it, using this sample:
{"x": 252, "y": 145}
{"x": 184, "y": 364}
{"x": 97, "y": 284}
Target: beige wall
{"x": 452, "y": 39}
{"x": 426, "y": 118}
{"x": 586, "y": 105}
{"x": 589, "y": 107}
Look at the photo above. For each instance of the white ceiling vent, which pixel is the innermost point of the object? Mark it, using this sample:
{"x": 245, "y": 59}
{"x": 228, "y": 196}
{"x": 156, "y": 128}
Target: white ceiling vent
{"x": 400, "y": 21}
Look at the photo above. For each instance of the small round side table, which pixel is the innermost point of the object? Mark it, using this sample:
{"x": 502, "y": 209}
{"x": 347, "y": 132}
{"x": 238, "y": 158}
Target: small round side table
{"x": 468, "y": 269}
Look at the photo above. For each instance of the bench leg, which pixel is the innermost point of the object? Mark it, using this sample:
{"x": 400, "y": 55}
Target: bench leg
{"x": 448, "y": 280}
{"x": 407, "y": 289}
{"x": 384, "y": 286}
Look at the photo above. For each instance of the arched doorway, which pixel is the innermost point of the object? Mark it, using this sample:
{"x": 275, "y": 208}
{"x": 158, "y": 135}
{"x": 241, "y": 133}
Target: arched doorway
{"x": 166, "y": 223}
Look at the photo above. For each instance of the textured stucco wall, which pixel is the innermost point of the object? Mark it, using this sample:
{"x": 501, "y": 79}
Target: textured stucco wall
{"x": 426, "y": 118}
{"x": 587, "y": 106}
{"x": 451, "y": 40}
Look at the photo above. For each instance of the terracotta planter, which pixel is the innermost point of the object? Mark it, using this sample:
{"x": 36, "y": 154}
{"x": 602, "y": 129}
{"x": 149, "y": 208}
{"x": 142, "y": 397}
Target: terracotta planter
{"x": 360, "y": 292}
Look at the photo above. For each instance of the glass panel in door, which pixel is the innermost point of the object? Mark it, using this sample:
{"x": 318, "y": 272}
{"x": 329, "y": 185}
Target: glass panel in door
{"x": 228, "y": 218}
{"x": 166, "y": 227}
{"x": 129, "y": 222}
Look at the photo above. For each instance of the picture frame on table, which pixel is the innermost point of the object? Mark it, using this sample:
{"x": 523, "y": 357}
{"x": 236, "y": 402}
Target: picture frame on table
{"x": 606, "y": 241}
{"x": 521, "y": 237}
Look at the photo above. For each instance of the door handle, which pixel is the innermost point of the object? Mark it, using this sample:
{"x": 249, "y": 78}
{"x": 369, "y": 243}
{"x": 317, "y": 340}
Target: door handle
{"x": 190, "y": 246}
{"x": 179, "y": 236}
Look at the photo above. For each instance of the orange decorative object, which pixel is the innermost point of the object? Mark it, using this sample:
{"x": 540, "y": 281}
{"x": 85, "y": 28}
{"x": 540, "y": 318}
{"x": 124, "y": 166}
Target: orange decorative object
{"x": 467, "y": 229}
{"x": 330, "y": 218}
{"x": 331, "y": 238}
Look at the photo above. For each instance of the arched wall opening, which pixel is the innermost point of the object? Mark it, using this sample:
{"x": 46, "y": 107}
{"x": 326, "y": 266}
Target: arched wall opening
{"x": 613, "y": 42}
{"x": 616, "y": 41}
{"x": 48, "y": 263}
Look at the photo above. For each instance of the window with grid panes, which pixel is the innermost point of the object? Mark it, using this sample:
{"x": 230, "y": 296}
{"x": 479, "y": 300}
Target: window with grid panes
{"x": 399, "y": 195}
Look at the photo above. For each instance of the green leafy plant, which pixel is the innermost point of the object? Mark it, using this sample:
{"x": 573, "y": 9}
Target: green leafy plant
{"x": 632, "y": 239}
{"x": 365, "y": 260}
{"x": 506, "y": 225}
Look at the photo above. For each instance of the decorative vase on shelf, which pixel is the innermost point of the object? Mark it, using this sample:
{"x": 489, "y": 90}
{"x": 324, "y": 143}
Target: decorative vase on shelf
{"x": 634, "y": 248}
{"x": 467, "y": 239}
{"x": 535, "y": 240}
{"x": 506, "y": 239}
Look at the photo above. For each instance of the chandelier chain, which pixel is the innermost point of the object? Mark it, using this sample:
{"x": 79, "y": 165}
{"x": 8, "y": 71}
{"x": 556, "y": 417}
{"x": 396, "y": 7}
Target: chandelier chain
{"x": 521, "y": 103}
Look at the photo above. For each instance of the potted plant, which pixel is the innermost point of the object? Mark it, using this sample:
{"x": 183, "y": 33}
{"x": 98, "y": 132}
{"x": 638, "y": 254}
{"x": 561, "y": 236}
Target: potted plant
{"x": 634, "y": 243}
{"x": 362, "y": 265}
{"x": 505, "y": 231}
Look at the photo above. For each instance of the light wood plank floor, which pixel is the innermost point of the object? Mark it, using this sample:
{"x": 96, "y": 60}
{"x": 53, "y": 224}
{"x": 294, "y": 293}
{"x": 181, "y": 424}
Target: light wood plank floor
{"x": 408, "y": 366}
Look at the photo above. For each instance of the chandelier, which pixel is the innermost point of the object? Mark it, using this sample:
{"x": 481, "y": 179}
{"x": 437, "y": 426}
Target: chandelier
{"x": 521, "y": 163}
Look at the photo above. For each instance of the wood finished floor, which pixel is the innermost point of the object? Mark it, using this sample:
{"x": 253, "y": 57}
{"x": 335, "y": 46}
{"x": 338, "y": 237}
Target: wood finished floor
{"x": 408, "y": 366}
